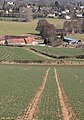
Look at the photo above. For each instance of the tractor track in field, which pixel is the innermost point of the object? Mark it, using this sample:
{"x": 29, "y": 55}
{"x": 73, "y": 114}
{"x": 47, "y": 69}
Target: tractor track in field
{"x": 32, "y": 107}
{"x": 67, "y": 111}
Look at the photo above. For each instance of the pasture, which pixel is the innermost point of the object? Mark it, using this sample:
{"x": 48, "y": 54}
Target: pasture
{"x": 25, "y": 28}
{"x": 77, "y": 36}
{"x": 18, "y": 28}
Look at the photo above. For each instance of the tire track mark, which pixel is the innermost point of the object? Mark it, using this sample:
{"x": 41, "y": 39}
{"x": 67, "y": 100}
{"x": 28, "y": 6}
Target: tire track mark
{"x": 33, "y": 105}
{"x": 67, "y": 114}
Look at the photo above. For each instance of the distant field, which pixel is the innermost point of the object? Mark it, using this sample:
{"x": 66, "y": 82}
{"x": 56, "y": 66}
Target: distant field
{"x": 24, "y": 28}
{"x": 72, "y": 79}
{"x": 17, "y": 28}
{"x": 60, "y": 51}
{"x": 17, "y": 53}
{"x": 78, "y": 36}
{"x": 57, "y": 22}
{"x": 18, "y": 86}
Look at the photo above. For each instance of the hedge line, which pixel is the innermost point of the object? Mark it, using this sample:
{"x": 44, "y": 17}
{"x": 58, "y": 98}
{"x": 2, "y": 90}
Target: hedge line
{"x": 60, "y": 57}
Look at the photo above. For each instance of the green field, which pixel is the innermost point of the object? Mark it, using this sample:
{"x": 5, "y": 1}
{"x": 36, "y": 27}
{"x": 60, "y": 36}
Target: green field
{"x": 72, "y": 79}
{"x": 77, "y": 36}
{"x": 18, "y": 85}
{"x": 57, "y": 22}
{"x": 17, "y": 53}
{"x": 49, "y": 106}
{"x": 17, "y": 28}
{"x": 24, "y": 28}
{"x": 60, "y": 51}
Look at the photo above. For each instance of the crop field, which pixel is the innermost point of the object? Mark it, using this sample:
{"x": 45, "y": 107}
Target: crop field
{"x": 60, "y": 51}
{"x": 72, "y": 79}
{"x": 49, "y": 107}
{"x": 18, "y": 85}
{"x": 24, "y": 28}
{"x": 33, "y": 91}
{"x": 17, "y": 53}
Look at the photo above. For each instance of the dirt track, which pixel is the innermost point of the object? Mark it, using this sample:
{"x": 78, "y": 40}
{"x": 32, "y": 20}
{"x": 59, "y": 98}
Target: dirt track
{"x": 33, "y": 105}
{"x": 67, "y": 114}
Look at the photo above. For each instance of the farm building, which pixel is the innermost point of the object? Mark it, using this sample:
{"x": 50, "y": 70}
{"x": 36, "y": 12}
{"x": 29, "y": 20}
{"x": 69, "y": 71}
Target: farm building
{"x": 71, "y": 40}
{"x": 18, "y": 40}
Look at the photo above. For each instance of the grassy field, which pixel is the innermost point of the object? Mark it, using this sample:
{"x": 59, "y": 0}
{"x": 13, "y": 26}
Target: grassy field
{"x": 17, "y": 28}
{"x": 17, "y": 53}
{"x": 57, "y": 22}
{"x": 77, "y": 36}
{"x": 60, "y": 51}
{"x": 24, "y": 28}
{"x": 18, "y": 85}
{"x": 72, "y": 79}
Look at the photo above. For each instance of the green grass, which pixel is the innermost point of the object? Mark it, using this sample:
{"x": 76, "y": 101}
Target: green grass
{"x": 24, "y": 28}
{"x": 18, "y": 85}
{"x": 17, "y": 28}
{"x": 57, "y": 22}
{"x": 60, "y": 51}
{"x": 49, "y": 106}
{"x": 15, "y": 53}
{"x": 77, "y": 36}
{"x": 72, "y": 79}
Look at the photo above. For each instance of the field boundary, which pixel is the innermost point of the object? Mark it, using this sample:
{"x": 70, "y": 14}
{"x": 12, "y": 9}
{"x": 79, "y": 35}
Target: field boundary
{"x": 39, "y": 54}
{"x": 38, "y": 62}
{"x": 57, "y": 57}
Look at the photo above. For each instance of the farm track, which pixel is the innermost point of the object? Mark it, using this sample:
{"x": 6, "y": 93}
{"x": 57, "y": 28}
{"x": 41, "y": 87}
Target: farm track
{"x": 32, "y": 107}
{"x": 67, "y": 112}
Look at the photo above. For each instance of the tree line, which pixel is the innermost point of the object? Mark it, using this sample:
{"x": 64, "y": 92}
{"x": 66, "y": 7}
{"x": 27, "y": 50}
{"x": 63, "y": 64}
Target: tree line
{"x": 75, "y": 25}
